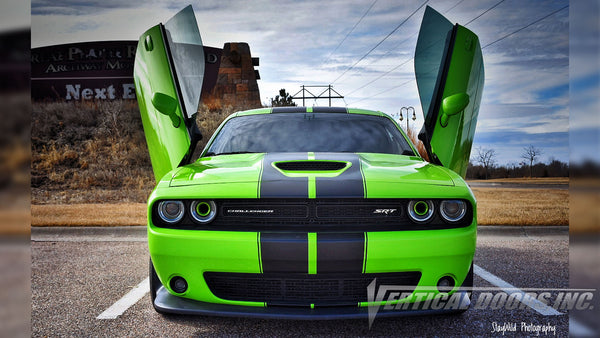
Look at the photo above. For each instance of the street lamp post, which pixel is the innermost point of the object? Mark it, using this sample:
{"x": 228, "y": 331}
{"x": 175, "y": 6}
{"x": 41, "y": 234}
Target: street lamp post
{"x": 414, "y": 116}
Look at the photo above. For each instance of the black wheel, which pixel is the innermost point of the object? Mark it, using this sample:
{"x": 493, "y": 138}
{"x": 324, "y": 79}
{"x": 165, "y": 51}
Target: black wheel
{"x": 155, "y": 284}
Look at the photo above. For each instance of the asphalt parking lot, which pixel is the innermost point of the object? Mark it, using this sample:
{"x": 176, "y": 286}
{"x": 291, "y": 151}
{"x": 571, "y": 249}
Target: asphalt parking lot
{"x": 79, "y": 273}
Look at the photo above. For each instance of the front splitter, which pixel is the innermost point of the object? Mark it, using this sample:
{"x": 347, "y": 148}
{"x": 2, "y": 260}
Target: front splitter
{"x": 167, "y": 303}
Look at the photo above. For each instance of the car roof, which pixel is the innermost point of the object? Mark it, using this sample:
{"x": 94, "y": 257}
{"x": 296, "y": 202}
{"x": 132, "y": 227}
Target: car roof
{"x": 303, "y": 110}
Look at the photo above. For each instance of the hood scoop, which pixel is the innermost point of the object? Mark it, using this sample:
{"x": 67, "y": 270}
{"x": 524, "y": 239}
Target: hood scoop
{"x": 311, "y": 165}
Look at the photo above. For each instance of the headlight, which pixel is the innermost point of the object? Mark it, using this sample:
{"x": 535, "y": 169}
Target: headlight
{"x": 203, "y": 211}
{"x": 453, "y": 210}
{"x": 171, "y": 211}
{"x": 420, "y": 211}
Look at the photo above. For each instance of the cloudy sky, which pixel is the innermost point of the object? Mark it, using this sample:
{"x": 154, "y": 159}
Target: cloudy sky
{"x": 526, "y": 53}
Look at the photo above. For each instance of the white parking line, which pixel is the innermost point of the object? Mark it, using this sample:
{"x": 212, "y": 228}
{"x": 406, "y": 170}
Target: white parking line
{"x": 526, "y": 299}
{"x": 127, "y": 301}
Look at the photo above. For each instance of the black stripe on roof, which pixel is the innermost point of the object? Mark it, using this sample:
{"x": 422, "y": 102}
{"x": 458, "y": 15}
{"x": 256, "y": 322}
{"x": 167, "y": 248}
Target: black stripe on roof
{"x": 329, "y": 110}
{"x": 288, "y": 110}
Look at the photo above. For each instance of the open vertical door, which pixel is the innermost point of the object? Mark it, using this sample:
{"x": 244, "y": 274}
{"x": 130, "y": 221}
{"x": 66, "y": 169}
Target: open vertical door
{"x": 450, "y": 76}
{"x": 168, "y": 74}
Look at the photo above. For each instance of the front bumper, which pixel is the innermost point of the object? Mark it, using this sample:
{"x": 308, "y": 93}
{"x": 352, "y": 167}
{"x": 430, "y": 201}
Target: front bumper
{"x": 192, "y": 253}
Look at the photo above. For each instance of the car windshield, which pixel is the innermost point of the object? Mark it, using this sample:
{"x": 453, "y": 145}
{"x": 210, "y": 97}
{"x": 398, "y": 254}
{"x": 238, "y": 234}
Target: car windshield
{"x": 310, "y": 132}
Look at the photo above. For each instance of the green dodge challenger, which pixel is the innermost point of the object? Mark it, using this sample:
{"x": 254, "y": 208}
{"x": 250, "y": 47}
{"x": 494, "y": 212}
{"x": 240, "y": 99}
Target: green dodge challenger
{"x": 300, "y": 212}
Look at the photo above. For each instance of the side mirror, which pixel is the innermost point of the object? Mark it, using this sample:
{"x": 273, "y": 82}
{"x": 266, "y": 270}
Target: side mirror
{"x": 166, "y": 105}
{"x": 453, "y": 105}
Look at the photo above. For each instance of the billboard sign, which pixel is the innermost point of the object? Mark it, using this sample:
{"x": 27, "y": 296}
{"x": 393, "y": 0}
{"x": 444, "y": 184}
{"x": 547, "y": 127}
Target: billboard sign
{"x": 99, "y": 70}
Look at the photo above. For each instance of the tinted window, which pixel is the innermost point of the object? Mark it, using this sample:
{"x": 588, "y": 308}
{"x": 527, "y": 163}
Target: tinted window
{"x": 429, "y": 53}
{"x": 188, "y": 56}
{"x": 319, "y": 132}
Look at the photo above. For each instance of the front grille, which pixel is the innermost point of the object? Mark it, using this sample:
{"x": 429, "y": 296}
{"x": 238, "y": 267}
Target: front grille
{"x": 311, "y": 165}
{"x": 323, "y": 211}
{"x": 304, "y": 289}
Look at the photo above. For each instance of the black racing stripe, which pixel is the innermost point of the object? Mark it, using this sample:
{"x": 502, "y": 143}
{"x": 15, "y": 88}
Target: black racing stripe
{"x": 275, "y": 184}
{"x": 329, "y": 110}
{"x": 340, "y": 252}
{"x": 347, "y": 185}
{"x": 288, "y": 110}
{"x": 284, "y": 252}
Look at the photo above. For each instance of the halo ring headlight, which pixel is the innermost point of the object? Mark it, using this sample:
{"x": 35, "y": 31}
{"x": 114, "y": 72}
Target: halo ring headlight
{"x": 203, "y": 211}
{"x": 420, "y": 211}
{"x": 171, "y": 211}
{"x": 453, "y": 210}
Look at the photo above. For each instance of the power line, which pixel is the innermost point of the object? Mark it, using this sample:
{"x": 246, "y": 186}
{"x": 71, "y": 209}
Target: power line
{"x": 489, "y": 44}
{"x": 380, "y": 42}
{"x": 351, "y": 30}
{"x": 379, "y": 77}
{"x": 396, "y": 67}
{"x": 480, "y": 15}
{"x": 522, "y": 28}
{"x": 410, "y": 37}
{"x": 451, "y": 8}
{"x": 385, "y": 91}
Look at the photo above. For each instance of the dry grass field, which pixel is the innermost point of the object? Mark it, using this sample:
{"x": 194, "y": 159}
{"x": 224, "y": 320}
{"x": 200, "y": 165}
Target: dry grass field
{"x": 96, "y": 152}
{"x": 88, "y": 214}
{"x": 527, "y": 180}
{"x": 499, "y": 206}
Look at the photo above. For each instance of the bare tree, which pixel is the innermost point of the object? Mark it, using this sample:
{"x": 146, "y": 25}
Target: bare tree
{"x": 487, "y": 158}
{"x": 530, "y": 153}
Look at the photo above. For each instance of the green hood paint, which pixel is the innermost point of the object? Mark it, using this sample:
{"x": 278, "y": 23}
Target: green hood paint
{"x": 246, "y": 168}
{"x": 404, "y": 169}
{"x": 223, "y": 169}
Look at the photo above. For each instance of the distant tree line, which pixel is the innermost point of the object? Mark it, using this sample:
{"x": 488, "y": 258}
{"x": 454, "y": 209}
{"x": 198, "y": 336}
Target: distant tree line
{"x": 555, "y": 168}
{"x": 483, "y": 165}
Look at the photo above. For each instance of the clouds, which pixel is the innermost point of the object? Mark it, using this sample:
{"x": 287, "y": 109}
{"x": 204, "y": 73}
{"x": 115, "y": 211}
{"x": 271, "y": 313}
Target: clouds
{"x": 527, "y": 74}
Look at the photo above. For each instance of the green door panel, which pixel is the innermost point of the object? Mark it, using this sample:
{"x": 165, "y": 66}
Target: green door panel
{"x": 168, "y": 74}
{"x": 450, "y": 76}
{"x": 167, "y": 143}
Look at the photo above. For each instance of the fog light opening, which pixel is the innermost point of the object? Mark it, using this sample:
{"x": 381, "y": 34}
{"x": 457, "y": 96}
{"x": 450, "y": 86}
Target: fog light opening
{"x": 445, "y": 284}
{"x": 178, "y": 284}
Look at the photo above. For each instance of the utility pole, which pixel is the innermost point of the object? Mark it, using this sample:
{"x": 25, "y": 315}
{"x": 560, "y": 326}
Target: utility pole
{"x": 328, "y": 90}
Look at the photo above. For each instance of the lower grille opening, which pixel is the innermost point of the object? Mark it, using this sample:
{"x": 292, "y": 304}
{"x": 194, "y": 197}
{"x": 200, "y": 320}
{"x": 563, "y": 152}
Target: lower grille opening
{"x": 303, "y": 289}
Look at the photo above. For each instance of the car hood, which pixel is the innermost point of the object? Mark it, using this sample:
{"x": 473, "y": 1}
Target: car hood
{"x": 267, "y": 171}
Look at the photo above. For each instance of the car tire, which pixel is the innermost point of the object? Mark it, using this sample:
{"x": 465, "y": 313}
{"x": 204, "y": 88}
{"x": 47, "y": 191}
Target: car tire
{"x": 155, "y": 284}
